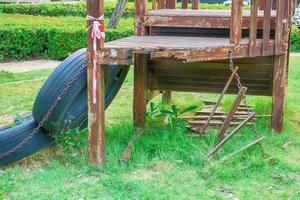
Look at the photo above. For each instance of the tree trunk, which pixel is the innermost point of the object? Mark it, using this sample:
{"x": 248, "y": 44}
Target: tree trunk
{"x": 117, "y": 14}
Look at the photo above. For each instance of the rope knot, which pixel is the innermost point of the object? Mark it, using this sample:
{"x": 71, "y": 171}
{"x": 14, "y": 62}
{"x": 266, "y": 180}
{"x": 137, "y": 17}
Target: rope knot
{"x": 98, "y": 30}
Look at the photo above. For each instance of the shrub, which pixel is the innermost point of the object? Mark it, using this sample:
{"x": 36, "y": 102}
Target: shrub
{"x": 295, "y": 40}
{"x": 78, "y": 9}
{"x": 55, "y": 37}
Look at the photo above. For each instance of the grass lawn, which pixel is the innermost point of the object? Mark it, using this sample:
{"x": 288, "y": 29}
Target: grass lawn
{"x": 166, "y": 164}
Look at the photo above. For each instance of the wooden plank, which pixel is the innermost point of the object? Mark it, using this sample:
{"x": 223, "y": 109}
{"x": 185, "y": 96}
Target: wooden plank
{"x": 96, "y": 111}
{"x": 253, "y": 27}
{"x": 236, "y": 21}
{"x": 266, "y": 26}
{"x": 154, "y": 5}
{"x": 232, "y": 112}
{"x": 196, "y": 21}
{"x": 279, "y": 92}
{"x": 184, "y": 4}
{"x": 230, "y": 135}
{"x": 279, "y": 27}
{"x": 195, "y": 4}
{"x": 171, "y": 4}
{"x": 140, "y": 89}
{"x": 219, "y": 99}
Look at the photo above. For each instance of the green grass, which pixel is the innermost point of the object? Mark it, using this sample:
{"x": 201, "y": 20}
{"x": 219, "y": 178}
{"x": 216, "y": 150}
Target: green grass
{"x": 165, "y": 164}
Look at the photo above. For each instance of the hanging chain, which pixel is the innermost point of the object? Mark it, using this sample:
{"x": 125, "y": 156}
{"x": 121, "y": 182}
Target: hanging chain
{"x": 239, "y": 85}
{"x": 45, "y": 118}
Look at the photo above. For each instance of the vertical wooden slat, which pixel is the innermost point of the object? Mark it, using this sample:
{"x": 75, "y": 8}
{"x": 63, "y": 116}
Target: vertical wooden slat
{"x": 154, "y": 5}
{"x": 279, "y": 26}
{"x": 171, "y": 4}
{"x": 261, "y": 4}
{"x": 266, "y": 26}
{"x": 140, "y": 90}
{"x": 184, "y": 4}
{"x": 160, "y": 4}
{"x": 96, "y": 151}
{"x": 236, "y": 20}
{"x": 140, "y": 8}
{"x": 253, "y": 27}
{"x": 274, "y": 5}
{"x": 195, "y": 4}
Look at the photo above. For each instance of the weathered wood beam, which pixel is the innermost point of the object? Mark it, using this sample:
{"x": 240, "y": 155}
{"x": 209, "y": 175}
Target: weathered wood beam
{"x": 184, "y": 4}
{"x": 236, "y": 21}
{"x": 279, "y": 92}
{"x": 266, "y": 26}
{"x": 253, "y": 27}
{"x": 195, "y": 4}
{"x": 140, "y": 8}
{"x": 218, "y": 103}
{"x": 96, "y": 110}
{"x": 154, "y": 5}
{"x": 233, "y": 110}
{"x": 279, "y": 27}
{"x": 171, "y": 4}
{"x": 140, "y": 89}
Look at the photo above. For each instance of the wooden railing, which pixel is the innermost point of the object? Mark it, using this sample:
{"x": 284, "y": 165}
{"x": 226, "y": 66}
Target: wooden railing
{"x": 171, "y": 4}
{"x": 284, "y": 10}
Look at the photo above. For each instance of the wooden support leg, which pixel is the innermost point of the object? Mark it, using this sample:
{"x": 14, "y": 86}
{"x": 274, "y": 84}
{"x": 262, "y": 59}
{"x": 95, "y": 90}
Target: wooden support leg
{"x": 96, "y": 117}
{"x": 166, "y": 97}
{"x": 279, "y": 90}
{"x": 140, "y": 89}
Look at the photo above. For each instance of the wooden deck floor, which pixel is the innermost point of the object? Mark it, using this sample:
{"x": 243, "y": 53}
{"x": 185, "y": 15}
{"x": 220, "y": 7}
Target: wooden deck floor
{"x": 188, "y": 49}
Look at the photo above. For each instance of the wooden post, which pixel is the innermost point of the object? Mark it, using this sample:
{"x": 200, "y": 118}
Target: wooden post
{"x": 171, "y": 4}
{"x": 195, "y": 4}
{"x": 236, "y": 21}
{"x": 140, "y": 8}
{"x": 279, "y": 91}
{"x": 140, "y": 90}
{"x": 96, "y": 110}
{"x": 184, "y": 4}
{"x": 166, "y": 96}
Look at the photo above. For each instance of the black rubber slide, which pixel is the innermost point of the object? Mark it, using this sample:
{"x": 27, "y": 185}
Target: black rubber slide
{"x": 70, "y": 113}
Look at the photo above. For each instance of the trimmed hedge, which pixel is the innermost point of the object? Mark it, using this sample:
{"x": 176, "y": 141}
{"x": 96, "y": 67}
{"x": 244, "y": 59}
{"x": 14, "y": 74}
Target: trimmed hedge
{"x": 76, "y": 9}
{"x": 24, "y": 36}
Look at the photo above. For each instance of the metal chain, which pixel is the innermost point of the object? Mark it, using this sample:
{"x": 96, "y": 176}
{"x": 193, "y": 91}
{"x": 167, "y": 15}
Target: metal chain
{"x": 45, "y": 118}
{"x": 239, "y": 85}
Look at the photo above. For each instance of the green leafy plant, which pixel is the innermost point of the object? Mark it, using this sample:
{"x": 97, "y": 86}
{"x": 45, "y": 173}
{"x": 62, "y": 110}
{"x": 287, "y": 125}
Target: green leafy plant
{"x": 173, "y": 115}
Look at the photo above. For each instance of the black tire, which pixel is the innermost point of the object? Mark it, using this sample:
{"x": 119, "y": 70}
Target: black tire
{"x": 12, "y": 137}
{"x": 71, "y": 112}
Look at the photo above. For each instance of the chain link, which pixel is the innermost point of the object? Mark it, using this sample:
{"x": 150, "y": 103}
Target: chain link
{"x": 45, "y": 118}
{"x": 239, "y": 85}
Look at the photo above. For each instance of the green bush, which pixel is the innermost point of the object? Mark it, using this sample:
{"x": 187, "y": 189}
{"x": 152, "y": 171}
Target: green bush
{"x": 60, "y": 9}
{"x": 55, "y": 37}
{"x": 77, "y": 9}
{"x": 295, "y": 40}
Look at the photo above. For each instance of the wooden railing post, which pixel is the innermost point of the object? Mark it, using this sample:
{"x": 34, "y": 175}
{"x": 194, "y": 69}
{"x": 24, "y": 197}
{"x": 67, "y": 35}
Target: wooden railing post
{"x": 96, "y": 104}
{"x": 236, "y": 21}
{"x": 140, "y": 8}
{"x": 279, "y": 28}
{"x": 195, "y": 4}
{"x": 253, "y": 27}
{"x": 266, "y": 27}
{"x": 171, "y": 4}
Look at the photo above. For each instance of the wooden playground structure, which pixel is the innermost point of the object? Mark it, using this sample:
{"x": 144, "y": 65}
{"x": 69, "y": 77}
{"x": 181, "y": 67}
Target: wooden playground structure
{"x": 186, "y": 49}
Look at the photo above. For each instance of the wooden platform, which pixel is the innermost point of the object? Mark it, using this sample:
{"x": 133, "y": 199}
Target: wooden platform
{"x": 199, "y": 18}
{"x": 187, "y": 49}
